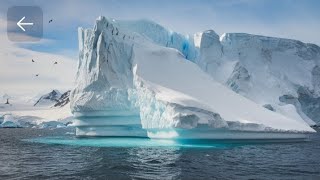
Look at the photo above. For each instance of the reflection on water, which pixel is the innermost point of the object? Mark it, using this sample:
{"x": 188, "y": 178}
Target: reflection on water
{"x": 61, "y": 156}
{"x": 143, "y": 157}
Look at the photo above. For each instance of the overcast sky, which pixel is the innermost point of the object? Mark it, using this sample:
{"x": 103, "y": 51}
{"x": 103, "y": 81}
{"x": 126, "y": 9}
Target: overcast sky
{"x": 295, "y": 19}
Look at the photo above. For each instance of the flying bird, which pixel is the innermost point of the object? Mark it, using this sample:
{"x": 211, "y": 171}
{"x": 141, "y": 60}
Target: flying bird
{"x": 50, "y": 21}
{"x": 32, "y": 60}
{"x": 56, "y": 62}
{"x": 37, "y": 75}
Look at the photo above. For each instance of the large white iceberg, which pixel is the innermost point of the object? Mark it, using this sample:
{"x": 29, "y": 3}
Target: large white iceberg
{"x": 137, "y": 78}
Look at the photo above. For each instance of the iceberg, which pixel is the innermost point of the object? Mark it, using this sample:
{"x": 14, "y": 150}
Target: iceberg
{"x": 9, "y": 121}
{"x": 16, "y": 121}
{"x": 139, "y": 79}
{"x": 51, "y": 124}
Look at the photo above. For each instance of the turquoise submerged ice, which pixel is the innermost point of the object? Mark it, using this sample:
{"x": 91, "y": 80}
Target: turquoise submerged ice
{"x": 139, "y": 79}
{"x": 129, "y": 142}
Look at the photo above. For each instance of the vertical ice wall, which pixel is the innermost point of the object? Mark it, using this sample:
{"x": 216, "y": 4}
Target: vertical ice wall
{"x": 104, "y": 76}
{"x": 100, "y": 100}
{"x": 162, "y": 36}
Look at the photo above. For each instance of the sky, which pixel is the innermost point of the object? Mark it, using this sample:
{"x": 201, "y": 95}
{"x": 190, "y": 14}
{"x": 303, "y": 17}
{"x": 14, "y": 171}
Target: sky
{"x": 294, "y": 19}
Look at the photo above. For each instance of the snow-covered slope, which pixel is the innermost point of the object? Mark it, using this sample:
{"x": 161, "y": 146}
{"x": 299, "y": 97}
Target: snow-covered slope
{"x": 124, "y": 69}
{"x": 188, "y": 94}
{"x": 48, "y": 99}
{"x": 53, "y": 99}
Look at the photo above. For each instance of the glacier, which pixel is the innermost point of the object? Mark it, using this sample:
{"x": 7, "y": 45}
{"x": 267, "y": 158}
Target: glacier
{"x": 136, "y": 78}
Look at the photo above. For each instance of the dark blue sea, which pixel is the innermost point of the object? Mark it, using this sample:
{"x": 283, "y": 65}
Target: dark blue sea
{"x": 58, "y": 154}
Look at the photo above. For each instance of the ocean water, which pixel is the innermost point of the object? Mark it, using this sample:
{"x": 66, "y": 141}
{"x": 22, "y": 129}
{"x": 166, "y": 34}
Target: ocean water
{"x": 57, "y": 154}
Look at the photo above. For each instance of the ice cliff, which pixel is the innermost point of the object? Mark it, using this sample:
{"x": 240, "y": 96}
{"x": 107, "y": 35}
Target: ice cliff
{"x": 138, "y": 78}
{"x": 266, "y": 69}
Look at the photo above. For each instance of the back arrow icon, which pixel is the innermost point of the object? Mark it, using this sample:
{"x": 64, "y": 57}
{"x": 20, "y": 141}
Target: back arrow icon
{"x": 20, "y": 23}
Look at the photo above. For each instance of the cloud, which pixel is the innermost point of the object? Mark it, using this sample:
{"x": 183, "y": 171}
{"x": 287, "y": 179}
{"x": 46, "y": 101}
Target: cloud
{"x": 17, "y": 72}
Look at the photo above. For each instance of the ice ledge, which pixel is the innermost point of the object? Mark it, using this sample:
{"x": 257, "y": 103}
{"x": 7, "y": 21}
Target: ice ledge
{"x": 158, "y": 115}
{"x": 222, "y": 135}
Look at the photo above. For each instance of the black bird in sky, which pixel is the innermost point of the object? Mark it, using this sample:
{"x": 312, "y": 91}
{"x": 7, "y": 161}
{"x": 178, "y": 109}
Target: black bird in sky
{"x": 56, "y": 62}
{"x": 32, "y": 60}
{"x": 37, "y": 75}
{"x": 50, "y": 21}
